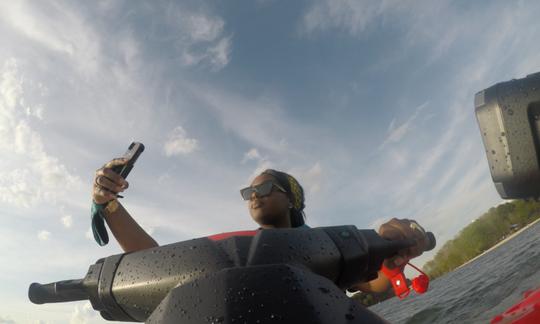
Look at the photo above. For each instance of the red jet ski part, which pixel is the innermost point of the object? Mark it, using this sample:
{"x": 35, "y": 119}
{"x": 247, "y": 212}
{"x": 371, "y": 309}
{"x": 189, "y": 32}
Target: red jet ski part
{"x": 223, "y": 236}
{"x": 525, "y": 312}
{"x": 398, "y": 280}
{"x": 396, "y": 276}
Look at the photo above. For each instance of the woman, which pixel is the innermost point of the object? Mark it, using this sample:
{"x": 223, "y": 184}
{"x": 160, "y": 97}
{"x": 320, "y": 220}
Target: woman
{"x": 275, "y": 200}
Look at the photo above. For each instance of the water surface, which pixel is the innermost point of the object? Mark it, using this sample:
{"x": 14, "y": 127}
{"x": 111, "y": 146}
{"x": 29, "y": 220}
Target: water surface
{"x": 478, "y": 291}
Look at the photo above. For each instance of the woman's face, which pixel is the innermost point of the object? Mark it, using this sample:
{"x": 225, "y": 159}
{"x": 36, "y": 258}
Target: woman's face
{"x": 271, "y": 211}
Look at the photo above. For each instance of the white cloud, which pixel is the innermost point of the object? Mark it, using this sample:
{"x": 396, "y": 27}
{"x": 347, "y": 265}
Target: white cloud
{"x": 57, "y": 28}
{"x": 37, "y": 112}
{"x": 261, "y": 122}
{"x": 310, "y": 178}
{"x": 33, "y": 175}
{"x": 11, "y": 84}
{"x": 18, "y": 188}
{"x": 399, "y": 156}
{"x": 82, "y": 314}
{"x": 178, "y": 143}
{"x": 252, "y": 154}
{"x": 26, "y": 141}
{"x": 397, "y": 133}
{"x": 391, "y": 126}
{"x": 20, "y": 16}
{"x": 89, "y": 235}
{"x": 439, "y": 24}
{"x": 219, "y": 55}
{"x": 67, "y": 221}
{"x": 6, "y": 320}
{"x": 129, "y": 49}
{"x": 427, "y": 159}
{"x": 350, "y": 15}
{"x": 201, "y": 37}
{"x": 163, "y": 178}
{"x": 44, "y": 235}
{"x": 262, "y": 165}
{"x": 458, "y": 165}
{"x": 202, "y": 27}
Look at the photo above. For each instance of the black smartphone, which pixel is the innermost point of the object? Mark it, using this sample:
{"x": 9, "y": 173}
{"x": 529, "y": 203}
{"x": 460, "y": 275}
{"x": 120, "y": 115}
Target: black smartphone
{"x": 132, "y": 154}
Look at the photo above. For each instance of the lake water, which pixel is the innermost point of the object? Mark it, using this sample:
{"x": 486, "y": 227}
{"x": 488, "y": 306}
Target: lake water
{"x": 478, "y": 291}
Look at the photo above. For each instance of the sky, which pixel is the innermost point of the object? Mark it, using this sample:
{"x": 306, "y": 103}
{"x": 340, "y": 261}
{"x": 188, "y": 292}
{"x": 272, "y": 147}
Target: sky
{"x": 369, "y": 104}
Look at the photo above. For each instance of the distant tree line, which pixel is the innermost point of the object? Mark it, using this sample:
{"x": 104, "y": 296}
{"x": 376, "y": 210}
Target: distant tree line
{"x": 483, "y": 233}
{"x": 477, "y": 237}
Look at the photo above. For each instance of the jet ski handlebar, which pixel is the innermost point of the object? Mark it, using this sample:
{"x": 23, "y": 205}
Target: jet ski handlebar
{"x": 162, "y": 283}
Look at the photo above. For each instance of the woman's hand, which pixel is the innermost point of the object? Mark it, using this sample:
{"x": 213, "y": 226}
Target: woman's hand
{"x": 107, "y": 183}
{"x": 404, "y": 229}
{"x": 399, "y": 229}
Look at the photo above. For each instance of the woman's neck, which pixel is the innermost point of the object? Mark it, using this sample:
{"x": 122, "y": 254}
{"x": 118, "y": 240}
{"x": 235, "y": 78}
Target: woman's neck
{"x": 285, "y": 223}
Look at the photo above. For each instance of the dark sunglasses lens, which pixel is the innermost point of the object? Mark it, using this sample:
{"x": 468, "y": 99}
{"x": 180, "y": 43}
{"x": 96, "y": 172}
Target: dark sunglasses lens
{"x": 246, "y": 193}
{"x": 264, "y": 188}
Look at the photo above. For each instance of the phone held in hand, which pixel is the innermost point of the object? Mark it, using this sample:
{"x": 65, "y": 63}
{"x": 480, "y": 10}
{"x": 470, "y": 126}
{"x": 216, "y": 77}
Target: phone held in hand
{"x": 132, "y": 154}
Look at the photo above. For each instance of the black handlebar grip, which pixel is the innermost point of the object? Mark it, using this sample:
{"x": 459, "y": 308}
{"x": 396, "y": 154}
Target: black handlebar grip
{"x": 56, "y": 292}
{"x": 432, "y": 242}
{"x": 407, "y": 243}
{"x": 397, "y": 245}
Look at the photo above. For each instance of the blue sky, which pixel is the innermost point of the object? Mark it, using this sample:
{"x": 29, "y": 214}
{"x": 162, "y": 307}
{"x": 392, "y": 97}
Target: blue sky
{"x": 368, "y": 103}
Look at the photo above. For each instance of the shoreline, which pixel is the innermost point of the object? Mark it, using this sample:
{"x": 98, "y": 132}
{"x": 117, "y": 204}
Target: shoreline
{"x": 500, "y": 243}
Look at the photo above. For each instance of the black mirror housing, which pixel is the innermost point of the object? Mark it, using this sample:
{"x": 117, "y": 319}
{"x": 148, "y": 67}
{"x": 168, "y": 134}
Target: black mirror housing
{"x": 508, "y": 115}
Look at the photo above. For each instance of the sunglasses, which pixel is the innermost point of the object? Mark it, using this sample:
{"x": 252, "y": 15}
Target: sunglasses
{"x": 261, "y": 190}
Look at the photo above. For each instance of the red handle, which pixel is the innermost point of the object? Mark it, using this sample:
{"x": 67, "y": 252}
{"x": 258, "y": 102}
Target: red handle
{"x": 398, "y": 280}
{"x": 420, "y": 284}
